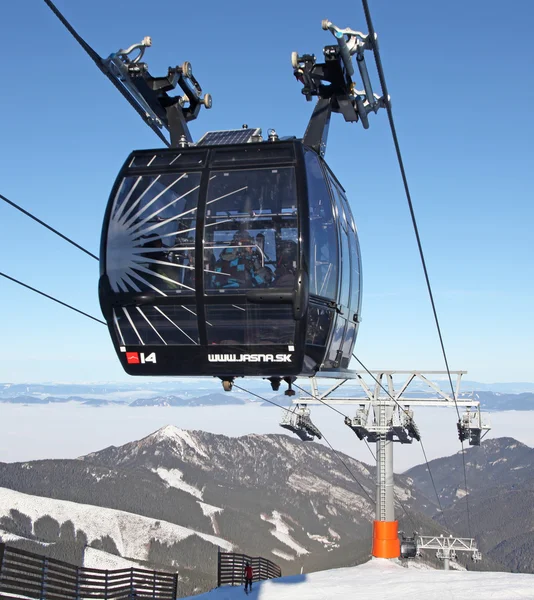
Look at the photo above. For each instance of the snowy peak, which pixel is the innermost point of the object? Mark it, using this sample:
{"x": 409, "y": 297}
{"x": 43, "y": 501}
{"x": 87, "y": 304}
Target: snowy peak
{"x": 185, "y": 441}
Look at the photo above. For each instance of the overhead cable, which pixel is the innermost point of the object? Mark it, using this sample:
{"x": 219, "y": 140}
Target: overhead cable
{"x": 385, "y": 95}
{"x": 32, "y": 216}
{"x": 52, "y": 298}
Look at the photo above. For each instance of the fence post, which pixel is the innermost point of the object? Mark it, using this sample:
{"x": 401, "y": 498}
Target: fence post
{"x": 154, "y": 586}
{"x": 43, "y": 578}
{"x": 131, "y": 594}
{"x": 106, "y": 585}
{"x": 175, "y": 587}
{"x": 2, "y": 550}
{"x": 218, "y": 566}
{"x": 77, "y": 583}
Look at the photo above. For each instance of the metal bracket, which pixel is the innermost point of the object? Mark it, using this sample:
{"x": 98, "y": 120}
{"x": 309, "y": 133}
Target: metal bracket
{"x": 299, "y": 422}
{"x": 332, "y": 83}
{"x": 150, "y": 93}
{"x": 146, "y": 94}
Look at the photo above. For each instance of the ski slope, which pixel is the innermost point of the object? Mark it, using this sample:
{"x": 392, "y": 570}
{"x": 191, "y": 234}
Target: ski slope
{"x": 381, "y": 579}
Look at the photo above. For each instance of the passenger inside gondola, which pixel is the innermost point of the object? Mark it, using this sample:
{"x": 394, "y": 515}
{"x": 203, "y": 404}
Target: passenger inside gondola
{"x": 241, "y": 264}
{"x": 286, "y": 263}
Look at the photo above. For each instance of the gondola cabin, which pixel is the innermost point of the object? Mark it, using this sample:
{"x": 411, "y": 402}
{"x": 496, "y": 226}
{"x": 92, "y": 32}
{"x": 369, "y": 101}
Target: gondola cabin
{"x": 232, "y": 256}
{"x": 230, "y": 259}
{"x": 408, "y": 546}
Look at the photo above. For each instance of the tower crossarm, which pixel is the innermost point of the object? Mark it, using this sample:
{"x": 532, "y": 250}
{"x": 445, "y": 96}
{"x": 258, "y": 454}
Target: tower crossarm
{"x": 379, "y": 385}
{"x": 428, "y": 542}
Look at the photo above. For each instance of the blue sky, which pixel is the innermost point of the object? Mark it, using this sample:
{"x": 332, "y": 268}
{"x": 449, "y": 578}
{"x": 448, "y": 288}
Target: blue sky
{"x": 459, "y": 75}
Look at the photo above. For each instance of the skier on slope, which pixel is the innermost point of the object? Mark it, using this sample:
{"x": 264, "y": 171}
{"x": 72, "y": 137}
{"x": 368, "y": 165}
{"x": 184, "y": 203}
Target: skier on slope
{"x": 248, "y": 578}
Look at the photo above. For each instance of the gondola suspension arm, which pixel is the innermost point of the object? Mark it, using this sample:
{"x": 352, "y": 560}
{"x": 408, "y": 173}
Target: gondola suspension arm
{"x": 145, "y": 93}
{"x": 332, "y": 83}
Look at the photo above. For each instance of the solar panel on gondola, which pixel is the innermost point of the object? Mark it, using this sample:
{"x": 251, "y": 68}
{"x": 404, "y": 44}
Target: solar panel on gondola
{"x": 233, "y": 256}
{"x": 232, "y": 136}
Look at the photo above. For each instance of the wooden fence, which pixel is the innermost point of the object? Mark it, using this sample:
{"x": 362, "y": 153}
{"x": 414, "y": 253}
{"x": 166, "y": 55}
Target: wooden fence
{"x": 231, "y": 568}
{"x": 34, "y": 576}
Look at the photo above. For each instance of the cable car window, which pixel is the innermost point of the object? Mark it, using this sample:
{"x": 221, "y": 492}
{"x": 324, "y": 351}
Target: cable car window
{"x": 340, "y": 204}
{"x": 240, "y": 324}
{"x": 319, "y": 322}
{"x": 356, "y": 275}
{"x": 251, "y": 232}
{"x": 156, "y": 325}
{"x": 348, "y": 345}
{"x": 323, "y": 236}
{"x": 345, "y": 294}
{"x": 168, "y": 158}
{"x": 333, "y": 359}
{"x": 349, "y": 215}
{"x": 151, "y": 234}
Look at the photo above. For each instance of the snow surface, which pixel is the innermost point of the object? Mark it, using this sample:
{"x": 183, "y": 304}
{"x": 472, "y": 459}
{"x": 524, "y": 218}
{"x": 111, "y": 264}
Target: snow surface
{"x": 283, "y": 554}
{"x": 381, "y": 579}
{"x": 209, "y": 509}
{"x": 6, "y": 537}
{"x": 98, "y": 559}
{"x": 174, "y": 478}
{"x": 130, "y": 532}
{"x": 281, "y": 532}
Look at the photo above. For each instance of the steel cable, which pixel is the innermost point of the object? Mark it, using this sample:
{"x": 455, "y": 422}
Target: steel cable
{"x": 381, "y": 76}
{"x": 32, "y": 216}
{"x": 52, "y": 298}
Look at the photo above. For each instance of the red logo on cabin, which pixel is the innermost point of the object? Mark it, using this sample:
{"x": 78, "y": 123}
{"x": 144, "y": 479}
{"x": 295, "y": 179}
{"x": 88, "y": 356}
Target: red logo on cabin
{"x": 132, "y": 358}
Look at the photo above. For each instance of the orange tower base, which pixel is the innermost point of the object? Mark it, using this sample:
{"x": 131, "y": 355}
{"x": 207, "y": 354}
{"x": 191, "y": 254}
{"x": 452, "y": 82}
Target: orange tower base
{"x": 386, "y": 543}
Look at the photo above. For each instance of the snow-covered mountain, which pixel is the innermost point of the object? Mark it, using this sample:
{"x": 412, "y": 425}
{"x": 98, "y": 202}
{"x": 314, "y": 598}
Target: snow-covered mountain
{"x": 169, "y": 499}
{"x": 500, "y": 477}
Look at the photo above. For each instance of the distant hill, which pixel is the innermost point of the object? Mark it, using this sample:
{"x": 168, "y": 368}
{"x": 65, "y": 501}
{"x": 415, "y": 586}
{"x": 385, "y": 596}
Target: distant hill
{"x": 189, "y": 392}
{"x": 502, "y": 401}
{"x": 500, "y": 476}
{"x": 214, "y": 399}
{"x": 28, "y": 400}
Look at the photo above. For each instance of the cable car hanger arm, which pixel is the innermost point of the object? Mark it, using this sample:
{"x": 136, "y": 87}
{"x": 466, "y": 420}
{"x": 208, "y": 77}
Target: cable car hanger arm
{"x": 146, "y": 94}
{"x": 332, "y": 83}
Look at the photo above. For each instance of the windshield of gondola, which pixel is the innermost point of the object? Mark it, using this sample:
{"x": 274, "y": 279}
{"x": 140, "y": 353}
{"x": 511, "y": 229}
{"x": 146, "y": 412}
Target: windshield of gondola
{"x": 251, "y": 234}
{"x": 151, "y": 235}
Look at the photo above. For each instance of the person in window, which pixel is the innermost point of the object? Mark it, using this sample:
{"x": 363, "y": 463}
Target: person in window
{"x": 286, "y": 263}
{"x": 240, "y": 264}
{"x": 248, "y": 578}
